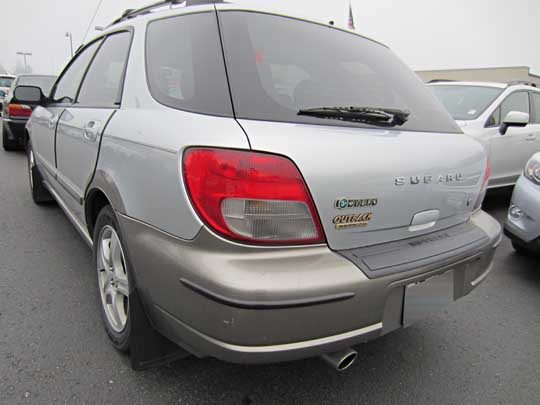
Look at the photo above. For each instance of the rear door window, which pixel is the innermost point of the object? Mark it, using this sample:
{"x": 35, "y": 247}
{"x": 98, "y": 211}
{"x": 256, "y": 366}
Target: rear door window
{"x": 184, "y": 63}
{"x": 102, "y": 85}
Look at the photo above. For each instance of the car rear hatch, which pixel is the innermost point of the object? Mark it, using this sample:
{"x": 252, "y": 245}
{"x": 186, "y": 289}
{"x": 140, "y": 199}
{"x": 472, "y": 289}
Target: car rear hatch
{"x": 377, "y": 186}
{"x": 371, "y": 182}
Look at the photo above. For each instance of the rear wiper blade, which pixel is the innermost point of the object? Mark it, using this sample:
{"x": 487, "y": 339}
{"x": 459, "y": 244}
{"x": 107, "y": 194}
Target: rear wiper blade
{"x": 383, "y": 117}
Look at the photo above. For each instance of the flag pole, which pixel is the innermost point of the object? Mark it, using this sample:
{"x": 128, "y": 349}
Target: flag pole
{"x": 350, "y": 24}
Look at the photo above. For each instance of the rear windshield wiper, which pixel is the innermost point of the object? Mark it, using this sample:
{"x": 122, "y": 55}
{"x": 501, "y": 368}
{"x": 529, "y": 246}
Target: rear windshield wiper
{"x": 383, "y": 117}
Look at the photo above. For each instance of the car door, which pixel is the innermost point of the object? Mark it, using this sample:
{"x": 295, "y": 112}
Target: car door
{"x": 534, "y": 138}
{"x": 81, "y": 125}
{"x": 509, "y": 151}
{"x": 45, "y": 117}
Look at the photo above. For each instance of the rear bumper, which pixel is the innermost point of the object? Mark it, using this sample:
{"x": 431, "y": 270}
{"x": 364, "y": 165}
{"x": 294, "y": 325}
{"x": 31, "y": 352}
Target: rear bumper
{"x": 255, "y": 305}
{"x": 14, "y": 128}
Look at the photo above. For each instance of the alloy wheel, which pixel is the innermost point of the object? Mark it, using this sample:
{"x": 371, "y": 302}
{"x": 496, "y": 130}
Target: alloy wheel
{"x": 113, "y": 279}
{"x": 31, "y": 164}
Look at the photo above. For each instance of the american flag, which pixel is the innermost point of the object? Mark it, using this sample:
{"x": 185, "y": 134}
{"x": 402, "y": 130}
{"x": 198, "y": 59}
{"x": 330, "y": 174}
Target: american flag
{"x": 351, "y": 18}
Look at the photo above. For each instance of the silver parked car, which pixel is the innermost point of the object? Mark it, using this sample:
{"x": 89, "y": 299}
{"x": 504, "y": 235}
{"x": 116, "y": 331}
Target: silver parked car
{"x": 523, "y": 222}
{"x": 256, "y": 198}
{"x": 505, "y": 117}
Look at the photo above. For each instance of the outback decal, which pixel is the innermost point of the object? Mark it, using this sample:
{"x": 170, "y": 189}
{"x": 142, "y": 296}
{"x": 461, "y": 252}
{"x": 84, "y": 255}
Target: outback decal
{"x": 352, "y": 220}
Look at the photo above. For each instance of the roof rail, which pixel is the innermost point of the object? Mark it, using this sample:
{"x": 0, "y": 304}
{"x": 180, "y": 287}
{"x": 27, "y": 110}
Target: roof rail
{"x": 522, "y": 82}
{"x": 441, "y": 81}
{"x": 132, "y": 13}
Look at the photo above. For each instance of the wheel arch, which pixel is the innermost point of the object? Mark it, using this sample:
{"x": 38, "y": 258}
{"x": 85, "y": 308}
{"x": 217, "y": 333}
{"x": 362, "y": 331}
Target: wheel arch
{"x": 101, "y": 192}
{"x": 95, "y": 201}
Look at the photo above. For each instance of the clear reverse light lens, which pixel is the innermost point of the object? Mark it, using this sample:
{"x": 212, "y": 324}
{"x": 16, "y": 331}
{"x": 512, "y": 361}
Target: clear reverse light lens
{"x": 269, "y": 219}
{"x": 251, "y": 197}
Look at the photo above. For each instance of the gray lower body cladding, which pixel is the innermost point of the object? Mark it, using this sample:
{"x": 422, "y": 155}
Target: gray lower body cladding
{"x": 426, "y": 252}
{"x": 258, "y": 305}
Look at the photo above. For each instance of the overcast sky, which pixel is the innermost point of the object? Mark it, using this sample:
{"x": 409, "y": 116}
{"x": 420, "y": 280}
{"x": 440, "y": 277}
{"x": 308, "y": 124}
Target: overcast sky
{"x": 427, "y": 34}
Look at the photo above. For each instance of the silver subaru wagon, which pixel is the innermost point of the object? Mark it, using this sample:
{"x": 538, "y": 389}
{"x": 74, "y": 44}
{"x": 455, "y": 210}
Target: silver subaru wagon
{"x": 257, "y": 187}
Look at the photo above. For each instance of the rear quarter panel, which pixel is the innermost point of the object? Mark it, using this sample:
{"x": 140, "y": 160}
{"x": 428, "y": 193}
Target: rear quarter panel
{"x": 139, "y": 167}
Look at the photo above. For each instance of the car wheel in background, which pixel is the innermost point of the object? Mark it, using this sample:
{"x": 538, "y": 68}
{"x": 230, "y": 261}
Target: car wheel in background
{"x": 8, "y": 144}
{"x": 40, "y": 194}
{"x": 113, "y": 279}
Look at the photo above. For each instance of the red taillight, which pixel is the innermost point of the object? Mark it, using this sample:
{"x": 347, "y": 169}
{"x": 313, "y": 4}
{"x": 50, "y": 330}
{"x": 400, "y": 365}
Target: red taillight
{"x": 251, "y": 197}
{"x": 19, "y": 110}
{"x": 483, "y": 190}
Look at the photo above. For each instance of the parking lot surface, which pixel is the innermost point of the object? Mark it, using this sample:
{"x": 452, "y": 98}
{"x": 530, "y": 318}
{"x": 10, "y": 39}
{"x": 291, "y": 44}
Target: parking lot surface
{"x": 484, "y": 348}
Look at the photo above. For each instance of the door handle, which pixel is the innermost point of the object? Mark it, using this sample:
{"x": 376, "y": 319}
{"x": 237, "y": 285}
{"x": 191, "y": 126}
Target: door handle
{"x": 531, "y": 137}
{"x": 91, "y": 130}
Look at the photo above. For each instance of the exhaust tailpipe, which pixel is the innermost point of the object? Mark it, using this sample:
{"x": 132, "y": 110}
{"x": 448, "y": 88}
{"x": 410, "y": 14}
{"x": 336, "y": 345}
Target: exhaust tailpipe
{"x": 341, "y": 360}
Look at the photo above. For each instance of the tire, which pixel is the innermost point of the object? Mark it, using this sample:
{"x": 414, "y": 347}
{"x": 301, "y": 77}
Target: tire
{"x": 522, "y": 250}
{"x": 8, "y": 144}
{"x": 114, "y": 282}
{"x": 40, "y": 194}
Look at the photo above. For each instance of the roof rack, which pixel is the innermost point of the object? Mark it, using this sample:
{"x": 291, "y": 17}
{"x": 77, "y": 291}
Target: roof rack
{"x": 132, "y": 13}
{"x": 522, "y": 82}
{"x": 441, "y": 81}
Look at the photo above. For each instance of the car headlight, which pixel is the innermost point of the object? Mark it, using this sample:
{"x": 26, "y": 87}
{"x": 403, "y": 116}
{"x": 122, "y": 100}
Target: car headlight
{"x": 532, "y": 170}
{"x": 515, "y": 212}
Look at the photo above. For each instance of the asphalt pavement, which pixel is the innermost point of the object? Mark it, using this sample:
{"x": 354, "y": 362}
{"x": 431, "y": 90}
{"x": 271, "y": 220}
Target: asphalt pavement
{"x": 483, "y": 349}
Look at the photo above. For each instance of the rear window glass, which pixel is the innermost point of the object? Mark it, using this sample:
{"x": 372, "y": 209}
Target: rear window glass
{"x": 6, "y": 81}
{"x": 185, "y": 66}
{"x": 45, "y": 83}
{"x": 279, "y": 65}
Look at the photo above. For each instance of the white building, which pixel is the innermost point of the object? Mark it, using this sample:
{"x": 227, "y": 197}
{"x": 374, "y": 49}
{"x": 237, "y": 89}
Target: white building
{"x": 497, "y": 74}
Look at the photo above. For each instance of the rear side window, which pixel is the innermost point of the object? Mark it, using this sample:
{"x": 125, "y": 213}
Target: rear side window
{"x": 102, "y": 84}
{"x": 535, "y": 108}
{"x": 278, "y": 66}
{"x": 67, "y": 86}
{"x": 185, "y": 66}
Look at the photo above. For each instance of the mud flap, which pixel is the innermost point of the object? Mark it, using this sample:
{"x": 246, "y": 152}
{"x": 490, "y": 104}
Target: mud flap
{"x": 148, "y": 348}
